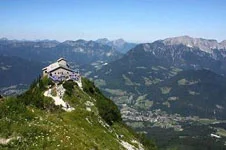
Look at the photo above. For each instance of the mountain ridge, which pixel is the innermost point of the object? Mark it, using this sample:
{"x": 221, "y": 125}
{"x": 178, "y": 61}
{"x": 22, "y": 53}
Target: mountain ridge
{"x": 80, "y": 51}
{"x": 128, "y": 79}
{"x": 34, "y": 121}
{"x": 206, "y": 45}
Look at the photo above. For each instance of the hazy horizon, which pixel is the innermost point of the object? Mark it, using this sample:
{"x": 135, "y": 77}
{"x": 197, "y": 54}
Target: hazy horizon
{"x": 104, "y": 38}
{"x": 132, "y": 20}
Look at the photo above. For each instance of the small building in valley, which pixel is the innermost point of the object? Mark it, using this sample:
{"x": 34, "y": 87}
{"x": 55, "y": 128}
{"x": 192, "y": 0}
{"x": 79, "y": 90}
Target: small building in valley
{"x": 61, "y": 71}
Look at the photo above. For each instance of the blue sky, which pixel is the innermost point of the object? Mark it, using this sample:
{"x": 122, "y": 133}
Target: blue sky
{"x": 132, "y": 20}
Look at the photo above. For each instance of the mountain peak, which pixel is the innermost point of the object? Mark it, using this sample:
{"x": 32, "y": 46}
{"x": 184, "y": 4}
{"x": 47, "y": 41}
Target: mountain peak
{"x": 103, "y": 41}
{"x": 119, "y": 44}
{"x": 223, "y": 43}
{"x": 206, "y": 45}
{"x": 119, "y": 41}
{"x": 107, "y": 41}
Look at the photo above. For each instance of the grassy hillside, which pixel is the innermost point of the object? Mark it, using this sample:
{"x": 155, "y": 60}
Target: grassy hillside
{"x": 32, "y": 121}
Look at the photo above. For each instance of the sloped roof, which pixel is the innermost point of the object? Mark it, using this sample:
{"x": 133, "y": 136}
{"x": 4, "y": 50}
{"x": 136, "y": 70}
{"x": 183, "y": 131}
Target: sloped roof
{"x": 56, "y": 65}
{"x": 61, "y": 59}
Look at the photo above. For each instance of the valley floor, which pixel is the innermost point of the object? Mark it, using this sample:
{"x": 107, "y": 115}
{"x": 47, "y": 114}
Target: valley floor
{"x": 173, "y": 131}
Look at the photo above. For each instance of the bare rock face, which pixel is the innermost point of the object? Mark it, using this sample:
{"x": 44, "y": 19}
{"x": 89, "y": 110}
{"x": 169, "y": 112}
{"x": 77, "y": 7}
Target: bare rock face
{"x": 206, "y": 45}
{"x": 223, "y": 44}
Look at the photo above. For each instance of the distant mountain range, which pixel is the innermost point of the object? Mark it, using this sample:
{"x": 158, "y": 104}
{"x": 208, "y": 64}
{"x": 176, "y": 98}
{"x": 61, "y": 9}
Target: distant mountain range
{"x": 167, "y": 83}
{"x": 80, "y": 51}
{"x": 22, "y": 60}
{"x": 119, "y": 44}
{"x": 128, "y": 80}
{"x": 158, "y": 60}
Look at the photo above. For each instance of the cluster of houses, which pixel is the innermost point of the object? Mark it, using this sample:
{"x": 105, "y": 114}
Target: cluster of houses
{"x": 61, "y": 71}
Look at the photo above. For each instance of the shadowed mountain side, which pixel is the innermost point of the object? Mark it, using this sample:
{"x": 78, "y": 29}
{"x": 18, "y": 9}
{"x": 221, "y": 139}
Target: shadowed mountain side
{"x": 192, "y": 93}
{"x": 15, "y": 70}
